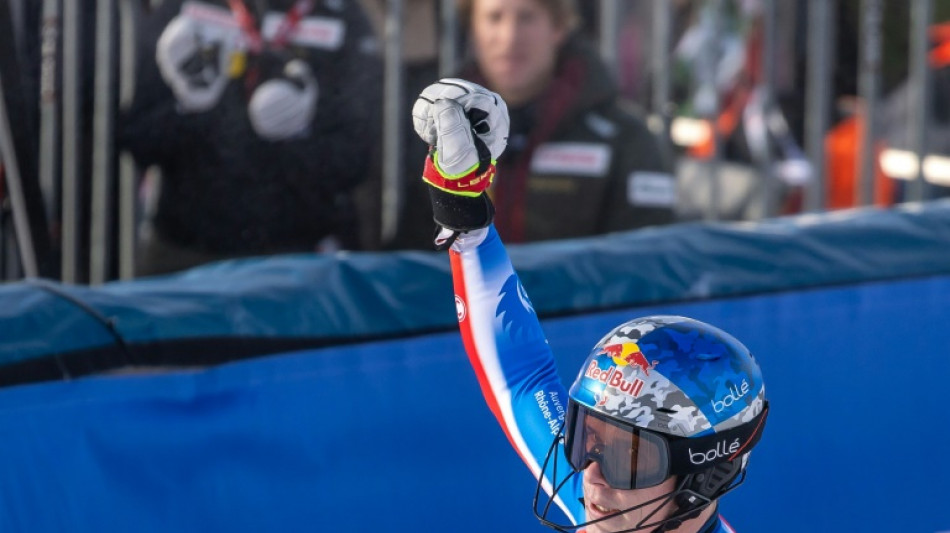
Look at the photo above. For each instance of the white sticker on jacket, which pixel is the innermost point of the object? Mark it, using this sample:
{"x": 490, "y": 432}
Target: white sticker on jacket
{"x": 655, "y": 189}
{"x": 209, "y": 14}
{"x": 316, "y": 32}
{"x": 579, "y": 159}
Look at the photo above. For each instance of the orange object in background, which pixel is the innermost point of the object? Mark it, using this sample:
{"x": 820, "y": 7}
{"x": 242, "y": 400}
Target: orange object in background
{"x": 940, "y": 55}
{"x": 842, "y": 144}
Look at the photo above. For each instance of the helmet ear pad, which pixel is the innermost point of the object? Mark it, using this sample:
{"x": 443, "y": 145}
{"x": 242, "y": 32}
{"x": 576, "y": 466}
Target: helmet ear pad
{"x": 703, "y": 487}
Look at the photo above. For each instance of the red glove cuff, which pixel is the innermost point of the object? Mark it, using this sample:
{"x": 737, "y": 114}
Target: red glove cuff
{"x": 471, "y": 184}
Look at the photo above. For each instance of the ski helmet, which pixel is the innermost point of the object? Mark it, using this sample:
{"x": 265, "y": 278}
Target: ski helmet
{"x": 666, "y": 396}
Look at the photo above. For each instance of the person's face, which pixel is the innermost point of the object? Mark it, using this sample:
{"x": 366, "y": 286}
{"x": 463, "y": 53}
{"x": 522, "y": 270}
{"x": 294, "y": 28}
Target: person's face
{"x": 515, "y": 43}
{"x": 601, "y": 500}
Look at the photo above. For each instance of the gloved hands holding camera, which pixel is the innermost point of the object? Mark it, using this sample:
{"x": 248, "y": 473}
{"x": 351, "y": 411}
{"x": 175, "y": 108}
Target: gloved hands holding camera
{"x": 198, "y": 58}
{"x": 193, "y": 59}
{"x": 466, "y": 127}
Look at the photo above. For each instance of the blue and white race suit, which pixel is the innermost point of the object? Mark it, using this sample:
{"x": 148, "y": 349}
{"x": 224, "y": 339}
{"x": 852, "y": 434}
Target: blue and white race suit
{"x": 513, "y": 362}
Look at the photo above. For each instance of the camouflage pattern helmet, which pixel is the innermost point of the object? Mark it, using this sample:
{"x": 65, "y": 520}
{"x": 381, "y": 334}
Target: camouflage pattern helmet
{"x": 671, "y": 375}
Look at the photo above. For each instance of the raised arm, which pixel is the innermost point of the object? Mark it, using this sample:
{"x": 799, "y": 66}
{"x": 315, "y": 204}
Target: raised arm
{"x": 466, "y": 127}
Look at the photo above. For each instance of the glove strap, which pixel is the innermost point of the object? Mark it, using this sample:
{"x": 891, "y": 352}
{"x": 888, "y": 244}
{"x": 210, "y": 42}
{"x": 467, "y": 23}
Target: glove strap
{"x": 460, "y": 213}
{"x": 470, "y": 184}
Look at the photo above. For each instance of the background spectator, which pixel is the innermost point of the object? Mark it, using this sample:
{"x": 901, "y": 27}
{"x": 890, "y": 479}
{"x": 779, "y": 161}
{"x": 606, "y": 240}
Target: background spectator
{"x": 260, "y": 116}
{"x": 574, "y": 148}
{"x": 579, "y": 162}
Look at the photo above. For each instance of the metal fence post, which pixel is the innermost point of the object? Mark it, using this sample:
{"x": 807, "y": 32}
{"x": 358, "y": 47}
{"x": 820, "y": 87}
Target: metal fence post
{"x": 18, "y": 133}
{"x": 448, "y": 37}
{"x": 921, "y": 13}
{"x": 660, "y": 67}
{"x": 102, "y": 211}
{"x": 820, "y": 53}
{"x": 50, "y": 91}
{"x": 709, "y": 106}
{"x": 13, "y": 180}
{"x": 129, "y": 15}
{"x": 393, "y": 91}
{"x": 869, "y": 87}
{"x": 769, "y": 186}
{"x": 72, "y": 206}
{"x": 609, "y": 31}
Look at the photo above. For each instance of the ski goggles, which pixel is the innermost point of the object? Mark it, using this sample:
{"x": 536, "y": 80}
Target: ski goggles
{"x": 633, "y": 458}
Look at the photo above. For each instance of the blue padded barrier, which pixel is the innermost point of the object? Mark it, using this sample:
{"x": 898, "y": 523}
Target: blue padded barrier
{"x": 268, "y": 305}
{"x": 394, "y": 435}
{"x": 384, "y": 428}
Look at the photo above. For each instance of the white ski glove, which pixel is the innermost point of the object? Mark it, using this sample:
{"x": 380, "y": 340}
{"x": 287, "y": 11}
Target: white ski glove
{"x": 466, "y": 128}
{"x": 467, "y": 125}
{"x": 193, "y": 60}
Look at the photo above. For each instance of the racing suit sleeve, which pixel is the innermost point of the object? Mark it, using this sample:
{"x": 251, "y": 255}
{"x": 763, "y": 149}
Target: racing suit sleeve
{"x": 512, "y": 360}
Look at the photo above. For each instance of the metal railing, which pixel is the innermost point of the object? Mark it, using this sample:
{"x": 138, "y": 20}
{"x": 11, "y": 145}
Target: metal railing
{"x": 86, "y": 257}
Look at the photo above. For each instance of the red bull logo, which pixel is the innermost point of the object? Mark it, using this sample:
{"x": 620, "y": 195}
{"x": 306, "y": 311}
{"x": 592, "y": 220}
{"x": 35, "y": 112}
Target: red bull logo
{"x": 613, "y": 377}
{"x": 628, "y": 353}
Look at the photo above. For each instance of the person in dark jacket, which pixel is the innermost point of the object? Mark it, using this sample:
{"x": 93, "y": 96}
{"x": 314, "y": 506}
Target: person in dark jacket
{"x": 259, "y": 115}
{"x": 579, "y": 161}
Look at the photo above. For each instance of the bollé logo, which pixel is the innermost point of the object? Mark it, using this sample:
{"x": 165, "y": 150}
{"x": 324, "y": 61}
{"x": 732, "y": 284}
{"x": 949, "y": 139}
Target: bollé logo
{"x": 721, "y": 450}
{"x": 735, "y": 393}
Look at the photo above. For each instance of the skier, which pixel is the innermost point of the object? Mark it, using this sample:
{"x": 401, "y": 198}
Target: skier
{"x": 658, "y": 424}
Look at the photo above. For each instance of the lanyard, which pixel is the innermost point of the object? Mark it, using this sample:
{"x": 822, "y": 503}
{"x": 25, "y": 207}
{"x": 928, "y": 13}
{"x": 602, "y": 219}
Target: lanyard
{"x": 287, "y": 26}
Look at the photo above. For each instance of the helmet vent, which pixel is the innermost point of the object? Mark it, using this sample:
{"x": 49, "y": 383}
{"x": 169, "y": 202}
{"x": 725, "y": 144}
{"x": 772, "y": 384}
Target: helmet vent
{"x": 666, "y": 410}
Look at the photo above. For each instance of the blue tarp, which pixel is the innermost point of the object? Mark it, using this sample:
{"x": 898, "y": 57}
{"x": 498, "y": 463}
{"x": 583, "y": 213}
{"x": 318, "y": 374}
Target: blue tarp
{"x": 394, "y": 435}
{"x": 321, "y": 300}
{"x": 386, "y": 430}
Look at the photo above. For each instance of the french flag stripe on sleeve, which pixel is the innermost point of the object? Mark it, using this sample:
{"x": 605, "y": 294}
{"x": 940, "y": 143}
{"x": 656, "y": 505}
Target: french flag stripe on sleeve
{"x": 477, "y": 335}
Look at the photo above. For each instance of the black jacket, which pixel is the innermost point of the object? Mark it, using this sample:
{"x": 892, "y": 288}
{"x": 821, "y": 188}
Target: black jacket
{"x": 579, "y": 162}
{"x": 227, "y": 191}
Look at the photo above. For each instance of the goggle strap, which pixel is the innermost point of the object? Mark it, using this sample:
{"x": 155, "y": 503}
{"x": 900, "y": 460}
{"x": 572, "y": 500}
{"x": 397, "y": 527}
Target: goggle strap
{"x": 695, "y": 454}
